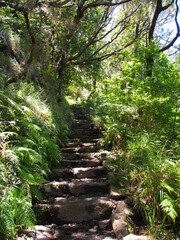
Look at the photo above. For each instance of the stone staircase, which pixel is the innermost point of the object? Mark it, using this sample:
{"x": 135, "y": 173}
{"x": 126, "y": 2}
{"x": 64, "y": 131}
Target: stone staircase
{"x": 77, "y": 204}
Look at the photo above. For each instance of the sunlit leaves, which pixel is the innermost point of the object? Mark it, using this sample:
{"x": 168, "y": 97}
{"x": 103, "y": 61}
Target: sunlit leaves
{"x": 29, "y": 134}
{"x": 141, "y": 123}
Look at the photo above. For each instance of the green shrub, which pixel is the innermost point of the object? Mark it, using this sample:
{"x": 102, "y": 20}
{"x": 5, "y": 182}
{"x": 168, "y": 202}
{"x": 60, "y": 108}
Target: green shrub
{"x": 16, "y": 212}
{"x": 30, "y": 132}
{"x": 140, "y": 117}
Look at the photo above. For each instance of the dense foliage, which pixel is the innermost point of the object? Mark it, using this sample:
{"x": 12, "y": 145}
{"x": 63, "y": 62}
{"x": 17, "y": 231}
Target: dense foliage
{"x": 108, "y": 54}
{"x": 141, "y": 122}
{"x": 30, "y": 131}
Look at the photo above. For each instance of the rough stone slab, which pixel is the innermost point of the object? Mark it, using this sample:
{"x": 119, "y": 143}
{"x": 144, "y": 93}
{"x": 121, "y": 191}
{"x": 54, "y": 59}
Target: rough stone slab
{"x": 37, "y": 236}
{"x": 82, "y": 149}
{"x": 79, "y": 144}
{"x": 104, "y": 223}
{"x": 89, "y": 172}
{"x": 135, "y": 237}
{"x": 43, "y": 228}
{"x": 77, "y": 233}
{"x": 76, "y": 187}
{"x": 82, "y": 163}
{"x": 80, "y": 156}
{"x": 61, "y": 210}
{"x": 44, "y": 236}
{"x": 85, "y": 140}
{"x": 86, "y": 135}
{"x": 119, "y": 219}
{"x": 64, "y": 173}
{"x": 82, "y": 130}
{"x": 73, "y": 156}
{"x": 87, "y": 236}
{"x": 56, "y": 188}
{"x": 88, "y": 186}
{"x": 114, "y": 194}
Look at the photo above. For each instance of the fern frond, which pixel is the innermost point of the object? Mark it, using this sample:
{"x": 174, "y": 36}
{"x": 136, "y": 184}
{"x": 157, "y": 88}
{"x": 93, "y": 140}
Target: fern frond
{"x": 35, "y": 192}
{"x": 30, "y": 176}
{"x": 169, "y": 206}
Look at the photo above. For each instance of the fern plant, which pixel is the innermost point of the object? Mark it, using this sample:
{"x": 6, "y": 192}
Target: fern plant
{"x": 16, "y": 212}
{"x": 28, "y": 151}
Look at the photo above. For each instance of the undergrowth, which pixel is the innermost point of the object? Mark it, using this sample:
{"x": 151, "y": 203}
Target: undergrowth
{"x": 32, "y": 125}
{"x": 140, "y": 118}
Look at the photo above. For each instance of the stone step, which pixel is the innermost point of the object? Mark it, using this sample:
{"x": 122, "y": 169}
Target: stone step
{"x": 78, "y": 111}
{"x": 81, "y": 163}
{"x": 82, "y": 122}
{"x": 79, "y": 202}
{"x": 85, "y": 137}
{"x": 76, "y": 231}
{"x": 80, "y": 144}
{"x": 85, "y": 140}
{"x": 78, "y": 173}
{"x": 90, "y": 227}
{"x": 78, "y": 156}
{"x": 81, "y": 116}
{"x": 73, "y": 210}
{"x": 91, "y": 234}
{"x": 74, "y": 156}
{"x": 82, "y": 131}
{"x": 84, "y": 126}
{"x": 76, "y": 187}
{"x": 81, "y": 149}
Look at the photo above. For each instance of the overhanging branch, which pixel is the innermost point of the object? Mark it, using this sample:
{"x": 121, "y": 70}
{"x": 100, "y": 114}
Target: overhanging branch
{"x": 167, "y": 6}
{"x": 98, "y": 28}
{"x": 108, "y": 43}
{"x": 104, "y": 56}
{"x": 118, "y": 24}
{"x": 158, "y": 10}
{"x": 105, "y": 3}
{"x": 178, "y": 30}
{"x": 94, "y": 35}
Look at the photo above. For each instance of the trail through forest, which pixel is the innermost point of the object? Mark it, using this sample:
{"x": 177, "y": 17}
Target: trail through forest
{"x": 121, "y": 62}
{"x": 77, "y": 204}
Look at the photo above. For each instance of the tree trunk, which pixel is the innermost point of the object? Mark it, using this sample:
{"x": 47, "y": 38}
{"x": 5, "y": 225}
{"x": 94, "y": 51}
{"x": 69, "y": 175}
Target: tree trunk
{"x": 149, "y": 65}
{"x": 61, "y": 68}
{"x": 60, "y": 84}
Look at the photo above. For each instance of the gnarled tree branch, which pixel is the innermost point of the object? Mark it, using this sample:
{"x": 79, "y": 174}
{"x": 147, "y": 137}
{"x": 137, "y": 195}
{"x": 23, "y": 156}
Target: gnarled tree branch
{"x": 105, "y": 3}
{"x": 178, "y": 30}
{"x": 158, "y": 10}
{"x": 104, "y": 56}
{"x": 94, "y": 35}
{"x": 93, "y": 39}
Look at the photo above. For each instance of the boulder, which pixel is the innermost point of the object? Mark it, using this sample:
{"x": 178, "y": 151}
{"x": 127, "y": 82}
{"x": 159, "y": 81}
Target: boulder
{"x": 119, "y": 219}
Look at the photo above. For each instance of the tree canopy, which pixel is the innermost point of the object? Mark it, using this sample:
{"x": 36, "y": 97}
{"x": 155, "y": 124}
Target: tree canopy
{"x": 78, "y": 33}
